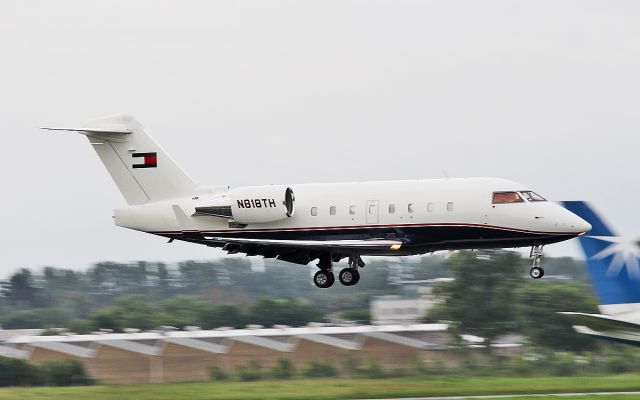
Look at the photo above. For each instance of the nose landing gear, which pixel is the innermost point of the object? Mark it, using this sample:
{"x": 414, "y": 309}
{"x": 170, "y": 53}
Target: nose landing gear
{"x": 537, "y": 253}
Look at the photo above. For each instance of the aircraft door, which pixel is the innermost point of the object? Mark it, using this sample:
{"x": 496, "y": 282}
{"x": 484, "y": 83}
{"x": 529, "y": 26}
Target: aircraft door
{"x": 372, "y": 211}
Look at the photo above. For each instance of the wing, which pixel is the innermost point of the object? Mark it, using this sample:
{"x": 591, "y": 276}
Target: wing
{"x": 372, "y": 244}
{"x": 301, "y": 251}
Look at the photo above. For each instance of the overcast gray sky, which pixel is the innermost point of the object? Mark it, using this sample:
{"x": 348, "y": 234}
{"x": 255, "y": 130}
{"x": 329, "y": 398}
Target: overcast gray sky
{"x": 254, "y": 92}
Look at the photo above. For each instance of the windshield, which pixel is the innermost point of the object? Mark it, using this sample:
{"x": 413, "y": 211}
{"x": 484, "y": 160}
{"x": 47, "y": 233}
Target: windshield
{"x": 506, "y": 197}
{"x": 532, "y": 196}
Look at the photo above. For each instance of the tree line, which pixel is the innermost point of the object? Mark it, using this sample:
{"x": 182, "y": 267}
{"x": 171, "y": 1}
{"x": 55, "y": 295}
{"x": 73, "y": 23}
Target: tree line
{"x": 490, "y": 296}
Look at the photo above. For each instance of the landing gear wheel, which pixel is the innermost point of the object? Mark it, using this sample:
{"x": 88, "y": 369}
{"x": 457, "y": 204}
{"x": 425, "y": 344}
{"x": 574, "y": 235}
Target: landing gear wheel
{"x": 356, "y": 275}
{"x": 323, "y": 279}
{"x": 537, "y": 253}
{"x": 536, "y": 272}
{"x": 349, "y": 276}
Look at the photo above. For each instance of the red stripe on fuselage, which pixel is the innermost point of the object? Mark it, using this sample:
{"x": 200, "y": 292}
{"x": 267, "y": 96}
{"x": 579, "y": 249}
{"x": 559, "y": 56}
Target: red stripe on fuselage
{"x": 321, "y": 228}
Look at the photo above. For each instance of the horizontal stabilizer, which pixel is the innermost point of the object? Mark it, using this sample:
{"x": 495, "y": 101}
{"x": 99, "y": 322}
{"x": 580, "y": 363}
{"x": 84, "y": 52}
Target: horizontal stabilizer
{"x": 373, "y": 244}
{"x": 599, "y": 322}
{"x": 626, "y": 337}
{"x": 90, "y": 130}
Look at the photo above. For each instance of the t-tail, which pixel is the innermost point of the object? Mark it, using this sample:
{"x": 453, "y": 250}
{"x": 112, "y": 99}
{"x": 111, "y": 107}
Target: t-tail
{"x": 138, "y": 165}
{"x": 612, "y": 262}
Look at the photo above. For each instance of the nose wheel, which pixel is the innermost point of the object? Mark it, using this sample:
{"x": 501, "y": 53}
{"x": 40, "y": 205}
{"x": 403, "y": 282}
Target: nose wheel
{"x": 536, "y": 272}
{"x": 537, "y": 253}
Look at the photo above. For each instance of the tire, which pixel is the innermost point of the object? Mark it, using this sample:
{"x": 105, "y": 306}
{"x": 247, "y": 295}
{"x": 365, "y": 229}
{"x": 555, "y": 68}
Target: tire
{"x": 349, "y": 276}
{"x": 346, "y": 276}
{"x": 536, "y": 272}
{"x": 323, "y": 279}
{"x": 356, "y": 274}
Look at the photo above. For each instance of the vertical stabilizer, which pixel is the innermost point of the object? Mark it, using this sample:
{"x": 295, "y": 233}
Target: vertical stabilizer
{"x": 138, "y": 165}
{"x": 613, "y": 263}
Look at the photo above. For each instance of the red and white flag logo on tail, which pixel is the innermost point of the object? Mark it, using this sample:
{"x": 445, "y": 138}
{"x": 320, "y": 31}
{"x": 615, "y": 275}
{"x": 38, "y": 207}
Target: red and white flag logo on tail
{"x": 149, "y": 160}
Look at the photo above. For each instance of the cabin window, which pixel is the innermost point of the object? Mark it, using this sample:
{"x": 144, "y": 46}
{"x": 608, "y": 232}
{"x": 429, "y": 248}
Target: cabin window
{"x": 332, "y": 210}
{"x": 506, "y": 197}
{"x": 352, "y": 210}
{"x": 429, "y": 207}
{"x": 410, "y": 207}
{"x": 392, "y": 208}
{"x": 450, "y": 206}
{"x": 314, "y": 211}
{"x": 532, "y": 196}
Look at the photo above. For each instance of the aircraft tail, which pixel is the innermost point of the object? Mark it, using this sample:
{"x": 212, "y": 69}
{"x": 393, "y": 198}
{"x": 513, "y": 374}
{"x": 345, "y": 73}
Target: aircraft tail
{"x": 138, "y": 165}
{"x": 612, "y": 262}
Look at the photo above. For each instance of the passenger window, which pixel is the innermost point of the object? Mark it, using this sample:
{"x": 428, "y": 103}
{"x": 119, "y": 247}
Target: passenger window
{"x": 532, "y": 196}
{"x": 429, "y": 207}
{"x": 450, "y": 206}
{"x": 314, "y": 211}
{"x": 332, "y": 210}
{"x": 392, "y": 208}
{"x": 410, "y": 207}
{"x": 352, "y": 210}
{"x": 506, "y": 197}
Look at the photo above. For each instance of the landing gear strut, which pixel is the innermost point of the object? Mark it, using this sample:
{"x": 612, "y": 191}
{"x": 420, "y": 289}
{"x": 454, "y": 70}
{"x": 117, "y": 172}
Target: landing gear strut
{"x": 537, "y": 253}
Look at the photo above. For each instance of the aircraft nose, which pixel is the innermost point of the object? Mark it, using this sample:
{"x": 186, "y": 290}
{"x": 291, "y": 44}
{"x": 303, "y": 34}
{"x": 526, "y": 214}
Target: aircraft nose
{"x": 580, "y": 225}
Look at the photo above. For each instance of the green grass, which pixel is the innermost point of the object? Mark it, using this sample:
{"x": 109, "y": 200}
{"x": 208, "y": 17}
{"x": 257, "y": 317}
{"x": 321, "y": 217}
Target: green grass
{"x": 334, "y": 388}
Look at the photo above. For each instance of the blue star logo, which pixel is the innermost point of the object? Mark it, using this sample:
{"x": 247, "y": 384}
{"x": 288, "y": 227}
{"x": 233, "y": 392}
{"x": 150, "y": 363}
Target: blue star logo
{"x": 624, "y": 254}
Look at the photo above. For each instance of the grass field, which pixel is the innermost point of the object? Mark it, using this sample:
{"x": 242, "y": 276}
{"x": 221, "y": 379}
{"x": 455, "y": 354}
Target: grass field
{"x": 336, "y": 388}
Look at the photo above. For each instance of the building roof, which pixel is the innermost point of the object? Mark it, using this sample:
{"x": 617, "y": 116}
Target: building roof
{"x": 6, "y": 351}
{"x": 133, "y": 347}
{"x": 331, "y": 341}
{"x": 402, "y": 340}
{"x": 65, "y": 348}
{"x": 265, "y": 342}
{"x": 232, "y": 333}
{"x": 198, "y": 344}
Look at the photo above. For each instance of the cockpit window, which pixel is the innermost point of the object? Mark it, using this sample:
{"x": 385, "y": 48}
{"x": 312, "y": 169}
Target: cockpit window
{"x": 506, "y": 197}
{"x": 532, "y": 196}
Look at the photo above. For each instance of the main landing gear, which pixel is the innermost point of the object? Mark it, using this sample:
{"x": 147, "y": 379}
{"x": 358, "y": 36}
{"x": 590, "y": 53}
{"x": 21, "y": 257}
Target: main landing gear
{"x": 348, "y": 276}
{"x": 537, "y": 253}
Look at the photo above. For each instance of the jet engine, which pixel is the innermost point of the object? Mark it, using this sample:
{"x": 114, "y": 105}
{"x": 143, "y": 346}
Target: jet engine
{"x": 251, "y": 205}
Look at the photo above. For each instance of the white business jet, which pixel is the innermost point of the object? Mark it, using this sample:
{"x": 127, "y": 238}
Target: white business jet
{"x": 326, "y": 221}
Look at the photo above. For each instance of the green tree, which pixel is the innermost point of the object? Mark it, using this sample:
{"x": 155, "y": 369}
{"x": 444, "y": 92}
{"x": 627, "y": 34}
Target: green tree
{"x": 482, "y": 298}
{"x": 215, "y": 316}
{"x": 291, "y": 312}
{"x": 180, "y": 311}
{"x": 361, "y": 315}
{"x": 538, "y": 307}
{"x": 20, "y": 290}
{"x": 14, "y": 372}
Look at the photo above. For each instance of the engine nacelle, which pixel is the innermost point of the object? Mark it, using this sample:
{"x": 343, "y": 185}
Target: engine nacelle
{"x": 252, "y": 205}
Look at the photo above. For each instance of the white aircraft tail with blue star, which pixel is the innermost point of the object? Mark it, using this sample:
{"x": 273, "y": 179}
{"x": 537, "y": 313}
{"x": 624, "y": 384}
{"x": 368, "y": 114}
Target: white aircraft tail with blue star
{"x": 614, "y": 266}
